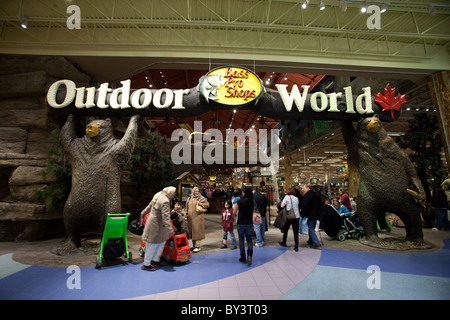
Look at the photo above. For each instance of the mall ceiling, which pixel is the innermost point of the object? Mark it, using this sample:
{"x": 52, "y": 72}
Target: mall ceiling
{"x": 171, "y": 43}
{"x": 272, "y": 34}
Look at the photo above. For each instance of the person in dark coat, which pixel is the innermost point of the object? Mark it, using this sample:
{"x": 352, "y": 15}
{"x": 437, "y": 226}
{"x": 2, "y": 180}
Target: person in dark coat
{"x": 260, "y": 229}
{"x": 439, "y": 204}
{"x": 244, "y": 209}
{"x": 311, "y": 208}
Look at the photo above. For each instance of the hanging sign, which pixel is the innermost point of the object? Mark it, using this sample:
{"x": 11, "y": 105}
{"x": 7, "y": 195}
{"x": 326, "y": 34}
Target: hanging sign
{"x": 231, "y": 86}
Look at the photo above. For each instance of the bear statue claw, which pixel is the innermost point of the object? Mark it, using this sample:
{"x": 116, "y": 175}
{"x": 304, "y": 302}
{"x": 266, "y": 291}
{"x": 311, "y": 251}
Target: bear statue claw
{"x": 64, "y": 249}
{"x": 395, "y": 244}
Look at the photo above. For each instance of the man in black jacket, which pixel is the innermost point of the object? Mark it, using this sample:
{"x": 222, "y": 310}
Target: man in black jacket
{"x": 311, "y": 208}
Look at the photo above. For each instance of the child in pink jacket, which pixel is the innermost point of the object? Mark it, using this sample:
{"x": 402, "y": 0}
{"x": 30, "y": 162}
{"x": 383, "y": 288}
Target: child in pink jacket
{"x": 227, "y": 224}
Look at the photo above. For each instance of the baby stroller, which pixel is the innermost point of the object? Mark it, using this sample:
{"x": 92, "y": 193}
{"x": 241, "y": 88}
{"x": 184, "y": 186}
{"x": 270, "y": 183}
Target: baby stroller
{"x": 114, "y": 241}
{"x": 336, "y": 226}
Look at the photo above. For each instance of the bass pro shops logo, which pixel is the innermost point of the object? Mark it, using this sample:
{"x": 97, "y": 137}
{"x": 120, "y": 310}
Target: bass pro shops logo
{"x": 231, "y": 86}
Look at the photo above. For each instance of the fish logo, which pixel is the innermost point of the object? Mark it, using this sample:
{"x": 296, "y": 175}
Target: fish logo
{"x": 208, "y": 86}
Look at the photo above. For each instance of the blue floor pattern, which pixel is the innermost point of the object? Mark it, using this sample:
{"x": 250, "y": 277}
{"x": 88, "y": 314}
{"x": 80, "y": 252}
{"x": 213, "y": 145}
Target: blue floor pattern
{"x": 126, "y": 281}
{"x": 340, "y": 274}
{"x": 344, "y": 275}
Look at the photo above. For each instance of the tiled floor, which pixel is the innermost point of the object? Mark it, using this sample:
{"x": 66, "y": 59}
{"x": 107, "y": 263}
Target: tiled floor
{"x": 266, "y": 281}
{"x": 277, "y": 273}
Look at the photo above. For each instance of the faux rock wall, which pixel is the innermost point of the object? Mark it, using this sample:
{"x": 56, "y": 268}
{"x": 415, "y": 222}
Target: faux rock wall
{"x": 26, "y": 134}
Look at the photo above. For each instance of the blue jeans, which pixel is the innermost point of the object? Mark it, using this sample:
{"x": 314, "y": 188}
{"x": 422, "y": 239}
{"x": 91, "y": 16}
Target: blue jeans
{"x": 260, "y": 230}
{"x": 247, "y": 231}
{"x": 441, "y": 218}
{"x": 313, "y": 240}
{"x": 233, "y": 238}
{"x": 303, "y": 227}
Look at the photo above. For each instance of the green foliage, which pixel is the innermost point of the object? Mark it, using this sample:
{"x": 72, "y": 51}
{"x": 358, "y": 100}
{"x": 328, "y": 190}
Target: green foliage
{"x": 56, "y": 193}
{"x": 151, "y": 168}
{"x": 424, "y": 140}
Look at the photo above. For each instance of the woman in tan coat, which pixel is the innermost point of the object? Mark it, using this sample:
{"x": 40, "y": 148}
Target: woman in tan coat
{"x": 158, "y": 227}
{"x": 196, "y": 220}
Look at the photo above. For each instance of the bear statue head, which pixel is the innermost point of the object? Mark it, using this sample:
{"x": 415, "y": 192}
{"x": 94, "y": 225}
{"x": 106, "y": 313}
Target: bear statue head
{"x": 370, "y": 131}
{"x": 96, "y": 127}
{"x": 373, "y": 124}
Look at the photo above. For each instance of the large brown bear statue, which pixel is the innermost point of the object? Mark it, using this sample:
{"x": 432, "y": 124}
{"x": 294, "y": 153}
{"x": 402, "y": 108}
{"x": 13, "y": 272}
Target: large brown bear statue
{"x": 386, "y": 175}
{"x": 96, "y": 160}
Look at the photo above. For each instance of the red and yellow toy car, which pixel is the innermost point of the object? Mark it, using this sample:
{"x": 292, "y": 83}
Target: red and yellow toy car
{"x": 176, "y": 249}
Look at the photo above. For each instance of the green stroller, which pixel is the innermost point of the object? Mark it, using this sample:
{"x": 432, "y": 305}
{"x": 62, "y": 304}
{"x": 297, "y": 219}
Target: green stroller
{"x": 114, "y": 241}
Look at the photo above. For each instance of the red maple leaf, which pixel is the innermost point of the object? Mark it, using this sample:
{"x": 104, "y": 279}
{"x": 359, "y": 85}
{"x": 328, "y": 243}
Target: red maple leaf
{"x": 389, "y": 101}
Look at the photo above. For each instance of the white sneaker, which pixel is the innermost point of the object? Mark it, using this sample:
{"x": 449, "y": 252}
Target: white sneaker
{"x": 435, "y": 229}
{"x": 196, "y": 249}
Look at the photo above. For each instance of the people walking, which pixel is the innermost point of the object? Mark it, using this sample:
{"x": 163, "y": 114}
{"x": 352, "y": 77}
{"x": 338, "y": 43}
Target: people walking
{"x": 311, "y": 208}
{"x": 290, "y": 201}
{"x": 245, "y": 225}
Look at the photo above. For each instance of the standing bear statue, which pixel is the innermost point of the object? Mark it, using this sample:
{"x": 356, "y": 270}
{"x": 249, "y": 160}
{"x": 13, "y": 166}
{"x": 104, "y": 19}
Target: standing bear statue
{"x": 96, "y": 160}
{"x": 388, "y": 181}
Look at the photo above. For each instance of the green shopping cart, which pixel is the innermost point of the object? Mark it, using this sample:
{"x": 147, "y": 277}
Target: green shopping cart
{"x": 114, "y": 241}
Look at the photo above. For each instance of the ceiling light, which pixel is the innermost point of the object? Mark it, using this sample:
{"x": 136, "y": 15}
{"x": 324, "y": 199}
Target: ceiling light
{"x": 321, "y": 5}
{"x": 23, "y": 22}
{"x": 305, "y": 4}
{"x": 364, "y": 7}
{"x": 396, "y": 134}
{"x": 383, "y": 9}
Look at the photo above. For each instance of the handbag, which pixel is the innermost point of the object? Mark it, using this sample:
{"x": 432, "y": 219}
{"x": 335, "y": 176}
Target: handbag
{"x": 280, "y": 221}
{"x": 256, "y": 215}
{"x": 200, "y": 209}
{"x": 290, "y": 213}
{"x": 136, "y": 226}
